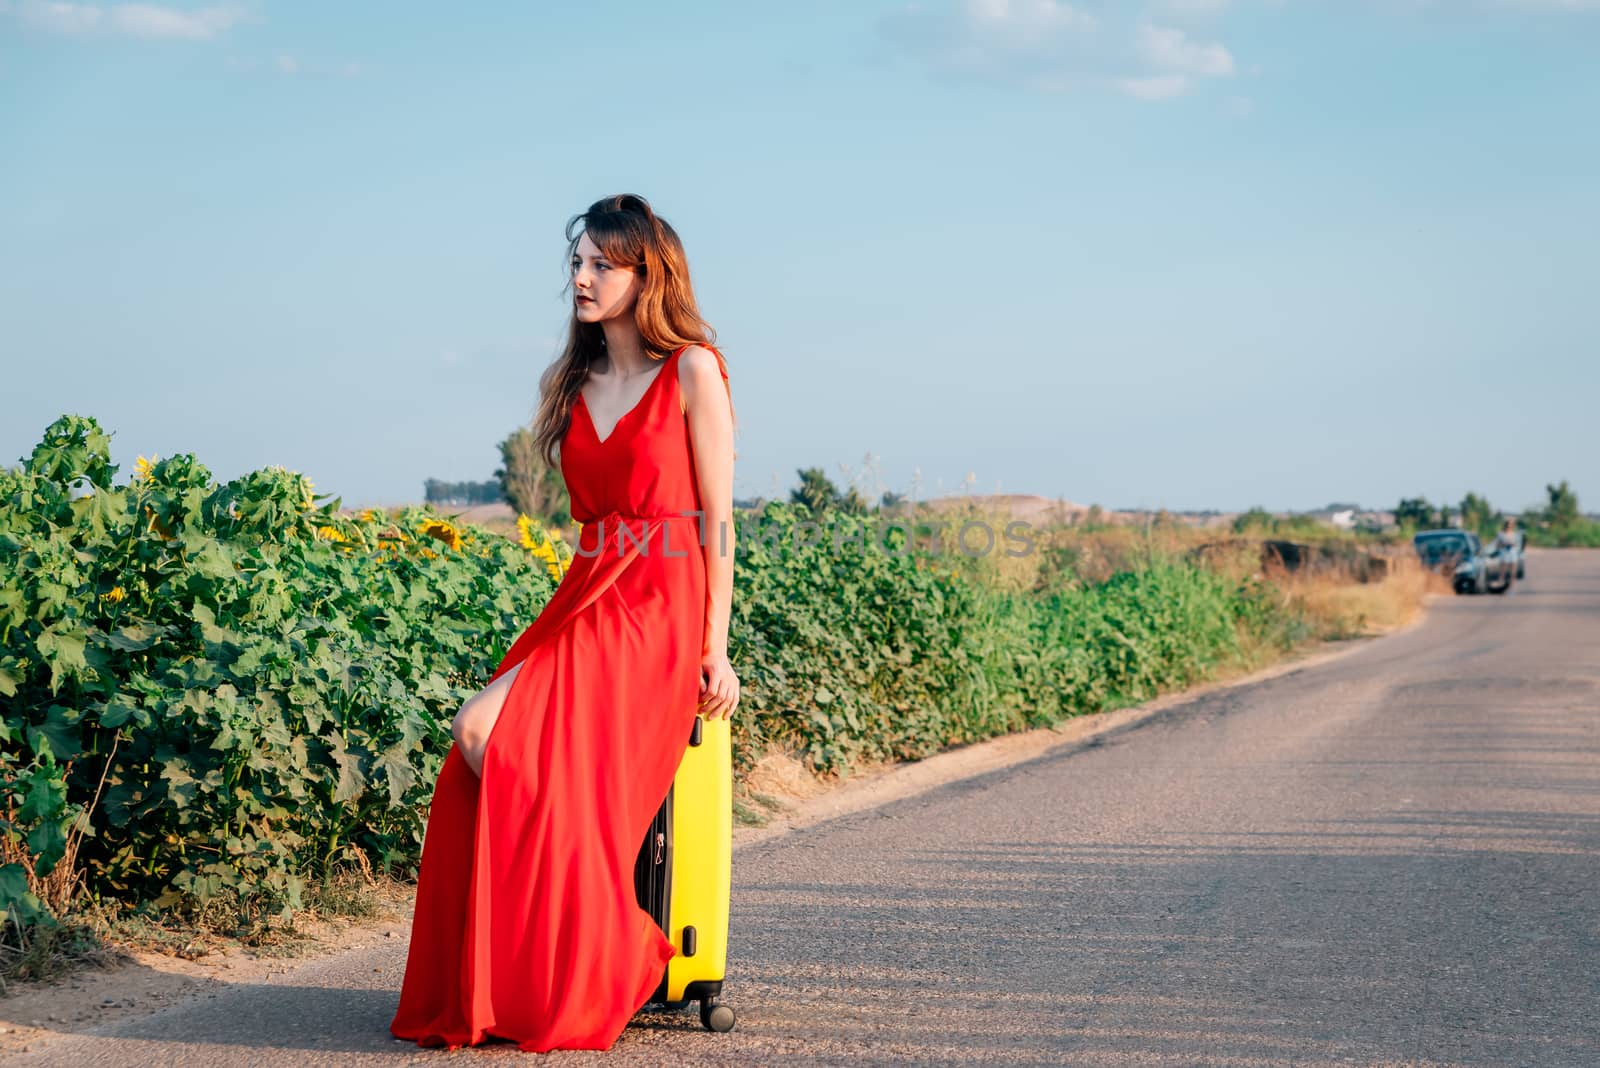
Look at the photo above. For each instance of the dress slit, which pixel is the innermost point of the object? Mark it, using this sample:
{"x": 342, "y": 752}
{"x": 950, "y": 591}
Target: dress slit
{"x": 527, "y": 925}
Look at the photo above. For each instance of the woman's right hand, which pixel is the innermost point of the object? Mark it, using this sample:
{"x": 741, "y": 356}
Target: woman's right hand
{"x": 719, "y": 687}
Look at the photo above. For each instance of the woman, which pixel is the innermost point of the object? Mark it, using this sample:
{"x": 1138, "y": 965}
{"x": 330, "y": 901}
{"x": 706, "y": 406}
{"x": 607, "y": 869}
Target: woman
{"x": 526, "y": 925}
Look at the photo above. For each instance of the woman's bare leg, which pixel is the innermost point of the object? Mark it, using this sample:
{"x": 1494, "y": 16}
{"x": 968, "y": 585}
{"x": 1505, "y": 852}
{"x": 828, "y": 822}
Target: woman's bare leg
{"x": 477, "y": 717}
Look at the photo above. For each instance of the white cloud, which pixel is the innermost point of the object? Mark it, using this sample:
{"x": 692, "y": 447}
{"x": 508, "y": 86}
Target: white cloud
{"x": 1447, "y": 7}
{"x": 1193, "y": 8}
{"x": 1171, "y": 49}
{"x": 1148, "y": 49}
{"x": 58, "y": 18}
{"x": 1003, "y": 40}
{"x": 1052, "y": 46}
{"x": 148, "y": 21}
{"x": 1026, "y": 18}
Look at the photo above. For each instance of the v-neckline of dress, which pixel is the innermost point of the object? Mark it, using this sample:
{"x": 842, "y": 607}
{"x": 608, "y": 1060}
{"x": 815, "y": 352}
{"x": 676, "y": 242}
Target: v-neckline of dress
{"x": 640, "y": 403}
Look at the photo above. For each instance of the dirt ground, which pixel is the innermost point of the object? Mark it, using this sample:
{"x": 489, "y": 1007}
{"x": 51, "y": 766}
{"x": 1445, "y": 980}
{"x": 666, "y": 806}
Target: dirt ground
{"x": 146, "y": 981}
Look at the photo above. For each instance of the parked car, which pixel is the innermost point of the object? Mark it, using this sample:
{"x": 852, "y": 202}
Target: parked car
{"x": 1459, "y": 556}
{"x": 1501, "y": 563}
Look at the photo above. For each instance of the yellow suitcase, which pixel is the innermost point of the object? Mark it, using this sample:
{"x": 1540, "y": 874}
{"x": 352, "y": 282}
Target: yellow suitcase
{"x": 684, "y": 871}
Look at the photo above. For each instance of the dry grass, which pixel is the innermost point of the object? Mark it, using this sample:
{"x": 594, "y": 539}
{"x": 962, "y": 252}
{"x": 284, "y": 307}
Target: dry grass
{"x": 990, "y": 544}
{"x": 48, "y": 951}
{"x": 103, "y": 934}
{"x": 349, "y": 897}
{"x": 772, "y": 786}
{"x": 1339, "y": 608}
{"x": 57, "y": 945}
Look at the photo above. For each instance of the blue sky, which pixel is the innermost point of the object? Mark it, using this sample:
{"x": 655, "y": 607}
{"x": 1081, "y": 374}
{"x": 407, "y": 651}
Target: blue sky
{"x": 1179, "y": 253}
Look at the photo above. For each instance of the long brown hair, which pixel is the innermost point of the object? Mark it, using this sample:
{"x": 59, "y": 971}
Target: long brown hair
{"x": 631, "y": 235}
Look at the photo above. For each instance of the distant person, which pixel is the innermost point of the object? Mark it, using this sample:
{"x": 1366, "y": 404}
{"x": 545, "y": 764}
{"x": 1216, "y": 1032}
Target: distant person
{"x": 1509, "y": 544}
{"x": 1509, "y": 537}
{"x": 527, "y": 926}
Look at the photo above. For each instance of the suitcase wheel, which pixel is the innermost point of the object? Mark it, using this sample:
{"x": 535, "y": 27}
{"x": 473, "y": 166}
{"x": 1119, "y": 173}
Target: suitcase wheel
{"x": 716, "y": 1016}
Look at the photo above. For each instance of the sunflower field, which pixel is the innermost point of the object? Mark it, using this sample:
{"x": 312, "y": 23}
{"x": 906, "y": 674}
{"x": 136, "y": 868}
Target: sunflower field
{"x": 231, "y": 686}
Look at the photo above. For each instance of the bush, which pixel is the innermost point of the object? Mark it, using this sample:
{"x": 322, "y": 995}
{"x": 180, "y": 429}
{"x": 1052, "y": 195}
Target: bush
{"x": 866, "y": 654}
{"x": 251, "y": 685}
{"x": 218, "y": 692}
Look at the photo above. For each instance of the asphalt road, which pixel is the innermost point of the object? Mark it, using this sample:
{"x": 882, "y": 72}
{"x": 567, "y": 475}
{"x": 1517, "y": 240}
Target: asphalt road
{"x": 1393, "y": 858}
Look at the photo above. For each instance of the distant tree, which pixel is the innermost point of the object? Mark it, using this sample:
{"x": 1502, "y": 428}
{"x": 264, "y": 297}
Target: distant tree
{"x": 816, "y": 491}
{"x": 854, "y": 503}
{"x": 1562, "y": 510}
{"x": 1559, "y": 521}
{"x": 1415, "y": 512}
{"x": 1257, "y": 518}
{"x": 891, "y": 500}
{"x": 531, "y": 486}
{"x": 1477, "y": 515}
{"x": 437, "y": 491}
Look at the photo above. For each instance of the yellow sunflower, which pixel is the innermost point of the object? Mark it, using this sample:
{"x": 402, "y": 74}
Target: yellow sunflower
{"x": 438, "y": 528}
{"x": 156, "y": 525}
{"x": 544, "y": 545}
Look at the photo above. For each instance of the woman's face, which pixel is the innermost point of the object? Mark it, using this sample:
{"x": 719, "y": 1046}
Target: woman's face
{"x": 600, "y": 289}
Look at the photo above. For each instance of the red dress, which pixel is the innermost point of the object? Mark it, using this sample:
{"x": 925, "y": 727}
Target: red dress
{"x": 526, "y": 924}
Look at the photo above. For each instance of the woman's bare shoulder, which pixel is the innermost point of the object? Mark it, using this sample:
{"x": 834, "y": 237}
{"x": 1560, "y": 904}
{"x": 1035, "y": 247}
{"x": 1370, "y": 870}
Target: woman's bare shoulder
{"x": 700, "y": 361}
{"x": 699, "y": 366}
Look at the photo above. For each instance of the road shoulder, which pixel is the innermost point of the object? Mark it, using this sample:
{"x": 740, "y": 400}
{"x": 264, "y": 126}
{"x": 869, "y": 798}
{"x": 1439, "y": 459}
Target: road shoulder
{"x": 33, "y": 1014}
{"x": 808, "y": 806}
